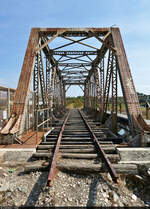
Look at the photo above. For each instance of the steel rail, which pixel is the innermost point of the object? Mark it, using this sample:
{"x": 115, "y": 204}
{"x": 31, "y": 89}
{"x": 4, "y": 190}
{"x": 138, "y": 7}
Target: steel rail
{"x": 52, "y": 170}
{"x": 102, "y": 153}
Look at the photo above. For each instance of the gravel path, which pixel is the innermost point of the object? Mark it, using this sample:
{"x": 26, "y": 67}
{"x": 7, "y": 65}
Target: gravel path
{"x": 19, "y": 189}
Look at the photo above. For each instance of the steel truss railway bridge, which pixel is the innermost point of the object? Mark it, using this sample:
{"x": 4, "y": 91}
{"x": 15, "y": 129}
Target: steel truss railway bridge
{"x": 57, "y": 58}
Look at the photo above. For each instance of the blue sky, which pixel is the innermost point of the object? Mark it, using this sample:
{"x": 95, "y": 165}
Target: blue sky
{"x": 17, "y": 17}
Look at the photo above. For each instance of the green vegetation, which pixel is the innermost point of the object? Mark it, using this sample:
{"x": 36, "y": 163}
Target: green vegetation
{"x": 78, "y": 102}
{"x": 143, "y": 98}
{"x": 75, "y": 102}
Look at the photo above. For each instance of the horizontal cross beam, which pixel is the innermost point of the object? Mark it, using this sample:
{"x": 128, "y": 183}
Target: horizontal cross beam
{"x": 74, "y": 77}
{"x": 63, "y": 53}
{"x": 74, "y": 64}
{"x": 74, "y": 83}
{"x": 74, "y": 72}
{"x": 72, "y": 32}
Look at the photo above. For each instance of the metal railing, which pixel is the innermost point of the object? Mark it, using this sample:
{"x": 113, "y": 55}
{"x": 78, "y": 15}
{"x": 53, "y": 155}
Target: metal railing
{"x": 42, "y": 124}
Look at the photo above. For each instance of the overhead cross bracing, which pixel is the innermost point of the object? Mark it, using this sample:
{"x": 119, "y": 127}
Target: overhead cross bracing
{"x": 92, "y": 58}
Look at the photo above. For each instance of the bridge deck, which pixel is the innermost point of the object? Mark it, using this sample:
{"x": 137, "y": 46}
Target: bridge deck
{"x": 29, "y": 141}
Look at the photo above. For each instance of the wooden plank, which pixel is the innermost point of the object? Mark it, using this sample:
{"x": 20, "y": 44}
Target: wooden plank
{"x": 75, "y": 146}
{"x": 75, "y": 142}
{"x": 111, "y": 157}
{"x": 108, "y": 150}
{"x": 93, "y": 168}
{"x": 84, "y": 168}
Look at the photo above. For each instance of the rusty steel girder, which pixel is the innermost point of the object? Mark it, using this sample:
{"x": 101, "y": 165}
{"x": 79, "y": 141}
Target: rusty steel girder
{"x": 52, "y": 170}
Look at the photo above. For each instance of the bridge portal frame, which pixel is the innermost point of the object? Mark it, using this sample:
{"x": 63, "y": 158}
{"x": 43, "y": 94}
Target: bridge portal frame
{"x": 33, "y": 68}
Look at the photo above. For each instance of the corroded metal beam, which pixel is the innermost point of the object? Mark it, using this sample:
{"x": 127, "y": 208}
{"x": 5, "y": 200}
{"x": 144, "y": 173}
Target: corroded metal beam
{"x": 129, "y": 93}
{"x": 84, "y": 53}
{"x": 51, "y": 174}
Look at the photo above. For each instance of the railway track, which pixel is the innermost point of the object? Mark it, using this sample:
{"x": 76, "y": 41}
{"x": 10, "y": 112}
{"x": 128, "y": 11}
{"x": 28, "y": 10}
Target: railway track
{"x": 79, "y": 138}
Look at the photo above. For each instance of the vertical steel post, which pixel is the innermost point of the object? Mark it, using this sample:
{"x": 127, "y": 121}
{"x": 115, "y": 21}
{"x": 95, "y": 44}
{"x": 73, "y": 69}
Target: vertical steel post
{"x": 101, "y": 72}
{"x": 36, "y": 127}
{"x": 114, "y": 93}
{"x": 36, "y": 89}
{"x": 8, "y": 103}
{"x": 147, "y": 110}
{"x": 107, "y": 86}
